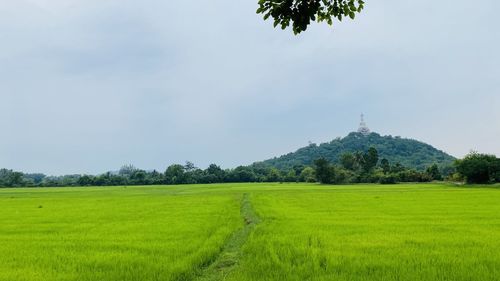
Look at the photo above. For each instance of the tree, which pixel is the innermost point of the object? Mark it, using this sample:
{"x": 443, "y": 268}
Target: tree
{"x": 307, "y": 175}
{"x": 479, "y": 168}
{"x": 495, "y": 170}
{"x": 155, "y": 178}
{"x": 85, "y": 180}
{"x": 397, "y": 168}
{"x": 291, "y": 176}
{"x": 325, "y": 173}
{"x": 189, "y": 166}
{"x": 35, "y": 178}
{"x": 300, "y": 13}
{"x": 127, "y": 170}
{"x": 348, "y": 161}
{"x": 388, "y": 179}
{"x": 11, "y": 178}
{"x": 433, "y": 172}
{"x": 370, "y": 159}
{"x": 215, "y": 174}
{"x": 242, "y": 174}
{"x": 359, "y": 162}
{"x": 175, "y": 174}
{"x": 273, "y": 175}
{"x": 386, "y": 167}
{"x": 138, "y": 177}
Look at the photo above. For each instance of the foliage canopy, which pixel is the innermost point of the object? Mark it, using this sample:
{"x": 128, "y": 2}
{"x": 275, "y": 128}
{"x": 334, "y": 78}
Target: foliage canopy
{"x": 479, "y": 168}
{"x": 300, "y": 13}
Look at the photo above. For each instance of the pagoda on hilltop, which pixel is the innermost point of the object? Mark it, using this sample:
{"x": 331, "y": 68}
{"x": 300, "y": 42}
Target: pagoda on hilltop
{"x": 363, "y": 129}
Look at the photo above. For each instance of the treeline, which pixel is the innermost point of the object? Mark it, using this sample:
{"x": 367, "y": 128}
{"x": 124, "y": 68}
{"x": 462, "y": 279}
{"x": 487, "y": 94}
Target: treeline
{"x": 358, "y": 167}
{"x": 475, "y": 168}
{"x": 174, "y": 174}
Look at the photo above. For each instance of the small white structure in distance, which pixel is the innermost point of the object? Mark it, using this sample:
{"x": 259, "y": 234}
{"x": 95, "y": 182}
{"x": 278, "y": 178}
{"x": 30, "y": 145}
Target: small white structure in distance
{"x": 363, "y": 129}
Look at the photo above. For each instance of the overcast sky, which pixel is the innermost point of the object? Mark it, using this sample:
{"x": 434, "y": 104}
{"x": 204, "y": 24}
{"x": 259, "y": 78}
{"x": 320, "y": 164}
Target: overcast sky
{"x": 89, "y": 85}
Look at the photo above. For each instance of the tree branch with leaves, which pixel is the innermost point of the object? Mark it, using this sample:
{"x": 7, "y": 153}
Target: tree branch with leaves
{"x": 300, "y": 13}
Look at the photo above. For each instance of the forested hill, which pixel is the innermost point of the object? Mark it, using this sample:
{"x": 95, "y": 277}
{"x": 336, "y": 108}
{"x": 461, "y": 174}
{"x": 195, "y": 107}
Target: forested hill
{"x": 410, "y": 153}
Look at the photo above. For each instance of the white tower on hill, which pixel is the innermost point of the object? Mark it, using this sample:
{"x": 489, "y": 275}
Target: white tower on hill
{"x": 363, "y": 129}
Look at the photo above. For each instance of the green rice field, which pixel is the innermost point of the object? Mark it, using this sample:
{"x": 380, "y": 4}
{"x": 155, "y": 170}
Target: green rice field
{"x": 251, "y": 232}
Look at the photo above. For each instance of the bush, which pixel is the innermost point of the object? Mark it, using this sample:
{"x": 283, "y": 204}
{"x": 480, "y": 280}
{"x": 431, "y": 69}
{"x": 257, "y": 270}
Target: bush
{"x": 387, "y": 179}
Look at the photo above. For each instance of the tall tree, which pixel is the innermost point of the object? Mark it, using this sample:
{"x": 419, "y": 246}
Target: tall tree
{"x": 386, "y": 167}
{"x": 370, "y": 159}
{"x": 324, "y": 171}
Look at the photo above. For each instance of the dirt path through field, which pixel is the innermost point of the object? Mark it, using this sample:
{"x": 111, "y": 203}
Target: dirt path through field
{"x": 231, "y": 252}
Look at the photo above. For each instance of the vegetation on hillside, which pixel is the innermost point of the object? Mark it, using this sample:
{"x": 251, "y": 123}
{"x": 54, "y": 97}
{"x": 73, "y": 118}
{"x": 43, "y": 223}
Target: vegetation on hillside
{"x": 365, "y": 167}
{"x": 407, "y": 152}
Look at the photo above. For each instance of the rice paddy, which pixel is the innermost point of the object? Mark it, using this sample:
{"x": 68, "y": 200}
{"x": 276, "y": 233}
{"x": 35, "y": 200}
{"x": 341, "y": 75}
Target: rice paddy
{"x": 251, "y": 232}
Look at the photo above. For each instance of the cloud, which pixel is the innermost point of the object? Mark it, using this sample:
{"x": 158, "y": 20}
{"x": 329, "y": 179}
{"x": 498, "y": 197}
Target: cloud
{"x": 87, "y": 86}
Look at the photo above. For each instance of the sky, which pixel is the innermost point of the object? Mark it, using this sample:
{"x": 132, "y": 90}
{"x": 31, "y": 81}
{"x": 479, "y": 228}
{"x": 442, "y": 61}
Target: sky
{"x": 87, "y": 86}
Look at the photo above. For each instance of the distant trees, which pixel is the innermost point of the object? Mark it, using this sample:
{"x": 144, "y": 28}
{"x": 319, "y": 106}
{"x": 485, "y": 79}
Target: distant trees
{"x": 479, "y": 168}
{"x": 34, "y": 179}
{"x": 85, "y": 180}
{"x": 364, "y": 167}
{"x": 9, "y": 178}
{"x": 362, "y": 162}
{"x": 354, "y": 167}
{"x": 329, "y": 173}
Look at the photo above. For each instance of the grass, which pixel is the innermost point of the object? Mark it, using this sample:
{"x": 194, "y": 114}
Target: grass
{"x": 140, "y": 233}
{"x": 251, "y": 232}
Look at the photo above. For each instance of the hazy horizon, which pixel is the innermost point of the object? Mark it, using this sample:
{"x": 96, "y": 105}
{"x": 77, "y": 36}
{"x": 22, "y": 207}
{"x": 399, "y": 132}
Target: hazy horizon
{"x": 87, "y": 86}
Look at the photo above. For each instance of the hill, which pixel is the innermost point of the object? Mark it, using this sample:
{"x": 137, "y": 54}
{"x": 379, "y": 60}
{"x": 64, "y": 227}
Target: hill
{"x": 408, "y": 152}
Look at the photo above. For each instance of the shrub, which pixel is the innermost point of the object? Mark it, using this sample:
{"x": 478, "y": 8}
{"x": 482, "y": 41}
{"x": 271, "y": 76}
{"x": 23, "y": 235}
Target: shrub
{"x": 387, "y": 179}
